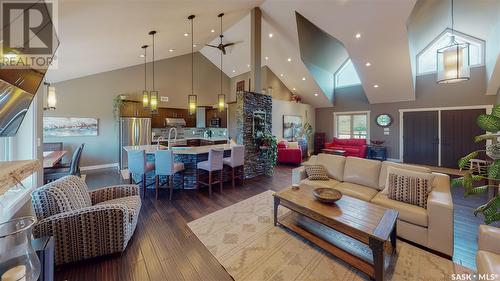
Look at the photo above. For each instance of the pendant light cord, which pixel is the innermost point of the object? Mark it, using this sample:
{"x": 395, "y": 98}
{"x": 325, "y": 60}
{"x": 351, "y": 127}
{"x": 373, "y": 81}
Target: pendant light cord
{"x": 221, "y": 53}
{"x": 145, "y": 69}
{"x": 153, "y": 61}
{"x": 452, "y": 19}
{"x": 192, "y": 57}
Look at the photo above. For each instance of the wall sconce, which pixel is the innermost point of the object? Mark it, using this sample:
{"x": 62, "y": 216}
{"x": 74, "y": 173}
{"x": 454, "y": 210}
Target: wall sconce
{"x": 51, "y": 97}
{"x": 221, "y": 104}
{"x": 192, "y": 103}
{"x": 154, "y": 102}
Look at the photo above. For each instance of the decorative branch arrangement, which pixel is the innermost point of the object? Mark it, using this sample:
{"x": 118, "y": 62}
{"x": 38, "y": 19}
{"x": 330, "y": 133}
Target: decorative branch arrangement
{"x": 489, "y": 123}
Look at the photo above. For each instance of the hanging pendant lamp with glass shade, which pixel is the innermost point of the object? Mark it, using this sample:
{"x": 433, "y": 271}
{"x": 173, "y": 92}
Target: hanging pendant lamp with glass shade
{"x": 453, "y": 63}
{"x": 145, "y": 92}
{"x": 192, "y": 98}
{"x": 51, "y": 97}
{"x": 153, "y": 95}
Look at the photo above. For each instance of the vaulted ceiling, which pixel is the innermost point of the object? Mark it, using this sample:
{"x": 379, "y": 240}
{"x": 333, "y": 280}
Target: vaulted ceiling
{"x": 98, "y": 36}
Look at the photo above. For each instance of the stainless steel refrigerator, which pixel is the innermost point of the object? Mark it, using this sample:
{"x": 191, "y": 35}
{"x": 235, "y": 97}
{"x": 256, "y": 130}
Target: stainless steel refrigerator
{"x": 133, "y": 131}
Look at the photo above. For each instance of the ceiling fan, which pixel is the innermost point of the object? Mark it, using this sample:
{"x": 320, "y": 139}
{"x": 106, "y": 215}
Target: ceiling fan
{"x": 221, "y": 46}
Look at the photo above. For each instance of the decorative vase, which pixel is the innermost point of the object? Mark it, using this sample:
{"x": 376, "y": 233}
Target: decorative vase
{"x": 18, "y": 260}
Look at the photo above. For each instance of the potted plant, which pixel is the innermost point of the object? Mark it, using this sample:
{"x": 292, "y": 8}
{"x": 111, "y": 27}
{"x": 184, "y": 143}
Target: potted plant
{"x": 490, "y": 123}
{"x": 268, "y": 145}
{"x": 117, "y": 105}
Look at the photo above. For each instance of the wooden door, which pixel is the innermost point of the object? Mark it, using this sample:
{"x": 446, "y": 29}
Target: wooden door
{"x": 421, "y": 137}
{"x": 458, "y": 129}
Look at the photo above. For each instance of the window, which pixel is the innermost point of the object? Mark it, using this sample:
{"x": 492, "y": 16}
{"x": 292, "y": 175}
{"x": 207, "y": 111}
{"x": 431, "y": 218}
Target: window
{"x": 426, "y": 60}
{"x": 346, "y": 75}
{"x": 352, "y": 125}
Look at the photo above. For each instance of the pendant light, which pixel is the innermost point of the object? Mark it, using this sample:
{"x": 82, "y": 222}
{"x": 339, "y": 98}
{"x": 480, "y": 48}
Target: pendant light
{"x": 145, "y": 92}
{"x": 153, "y": 95}
{"x": 453, "y": 63}
{"x": 221, "y": 98}
{"x": 51, "y": 97}
{"x": 192, "y": 98}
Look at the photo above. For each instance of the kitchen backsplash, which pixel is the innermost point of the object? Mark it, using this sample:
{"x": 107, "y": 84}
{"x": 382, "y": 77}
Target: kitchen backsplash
{"x": 192, "y": 132}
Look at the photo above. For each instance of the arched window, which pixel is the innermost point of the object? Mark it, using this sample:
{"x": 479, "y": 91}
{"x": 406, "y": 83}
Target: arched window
{"x": 427, "y": 58}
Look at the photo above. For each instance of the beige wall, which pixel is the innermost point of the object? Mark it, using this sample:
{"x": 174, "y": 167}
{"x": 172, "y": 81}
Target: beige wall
{"x": 281, "y": 108}
{"x": 269, "y": 79}
{"x": 92, "y": 96}
{"x": 429, "y": 94}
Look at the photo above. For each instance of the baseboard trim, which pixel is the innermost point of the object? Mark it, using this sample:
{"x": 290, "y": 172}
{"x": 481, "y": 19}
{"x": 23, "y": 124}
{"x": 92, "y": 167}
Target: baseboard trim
{"x": 393, "y": 159}
{"x": 97, "y": 167}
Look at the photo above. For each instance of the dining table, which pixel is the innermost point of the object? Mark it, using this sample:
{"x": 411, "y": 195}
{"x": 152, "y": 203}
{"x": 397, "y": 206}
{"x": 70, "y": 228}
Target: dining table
{"x": 51, "y": 158}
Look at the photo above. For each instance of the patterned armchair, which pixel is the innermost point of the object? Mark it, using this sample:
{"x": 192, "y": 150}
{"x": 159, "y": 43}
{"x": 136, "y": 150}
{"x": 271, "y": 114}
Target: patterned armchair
{"x": 85, "y": 224}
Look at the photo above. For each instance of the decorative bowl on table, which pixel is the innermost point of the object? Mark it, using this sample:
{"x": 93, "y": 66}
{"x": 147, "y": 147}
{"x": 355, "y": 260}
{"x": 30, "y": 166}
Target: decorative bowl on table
{"x": 326, "y": 195}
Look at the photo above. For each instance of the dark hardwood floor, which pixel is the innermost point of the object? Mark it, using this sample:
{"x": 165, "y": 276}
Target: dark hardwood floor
{"x": 164, "y": 248}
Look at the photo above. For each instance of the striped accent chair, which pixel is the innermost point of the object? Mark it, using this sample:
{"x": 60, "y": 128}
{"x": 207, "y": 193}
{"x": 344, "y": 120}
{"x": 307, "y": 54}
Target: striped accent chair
{"x": 85, "y": 224}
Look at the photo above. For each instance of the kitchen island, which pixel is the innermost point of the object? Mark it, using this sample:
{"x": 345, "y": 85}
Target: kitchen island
{"x": 190, "y": 156}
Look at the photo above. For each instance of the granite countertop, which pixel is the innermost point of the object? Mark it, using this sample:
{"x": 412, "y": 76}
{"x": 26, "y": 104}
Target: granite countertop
{"x": 150, "y": 149}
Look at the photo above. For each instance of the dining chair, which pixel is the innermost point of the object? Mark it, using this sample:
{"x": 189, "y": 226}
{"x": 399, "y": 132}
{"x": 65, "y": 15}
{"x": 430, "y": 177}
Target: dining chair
{"x": 138, "y": 165}
{"x": 52, "y": 146}
{"x": 213, "y": 164}
{"x": 165, "y": 165}
{"x": 236, "y": 162}
{"x": 72, "y": 168}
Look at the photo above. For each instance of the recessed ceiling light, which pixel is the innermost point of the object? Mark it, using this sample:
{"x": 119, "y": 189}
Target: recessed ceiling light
{"x": 248, "y": 65}
{"x": 303, "y": 79}
{"x": 213, "y": 30}
{"x": 358, "y": 35}
{"x": 289, "y": 59}
{"x": 171, "y": 50}
{"x": 194, "y": 45}
{"x": 141, "y": 55}
{"x": 270, "y": 35}
{"x": 266, "y": 58}
{"x": 368, "y": 64}
{"x": 293, "y": 89}
{"x": 234, "y": 71}
{"x": 186, "y": 34}
{"x": 315, "y": 95}
{"x": 281, "y": 74}
{"x": 375, "y": 86}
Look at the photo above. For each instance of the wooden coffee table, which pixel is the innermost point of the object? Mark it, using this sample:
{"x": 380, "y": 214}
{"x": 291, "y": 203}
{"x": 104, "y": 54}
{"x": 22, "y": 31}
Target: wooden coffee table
{"x": 358, "y": 232}
{"x": 333, "y": 151}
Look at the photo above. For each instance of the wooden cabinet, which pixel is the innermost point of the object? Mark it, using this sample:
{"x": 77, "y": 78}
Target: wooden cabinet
{"x": 134, "y": 109}
{"x": 212, "y": 113}
{"x": 158, "y": 120}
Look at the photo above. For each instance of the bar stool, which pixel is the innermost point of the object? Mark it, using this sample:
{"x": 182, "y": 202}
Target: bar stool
{"x": 137, "y": 165}
{"x": 236, "y": 162}
{"x": 214, "y": 163}
{"x": 166, "y": 166}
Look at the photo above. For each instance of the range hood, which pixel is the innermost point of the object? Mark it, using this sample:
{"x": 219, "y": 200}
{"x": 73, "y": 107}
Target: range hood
{"x": 175, "y": 122}
{"x": 14, "y": 103}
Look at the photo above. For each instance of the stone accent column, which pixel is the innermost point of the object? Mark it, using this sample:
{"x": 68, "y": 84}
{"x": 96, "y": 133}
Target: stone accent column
{"x": 246, "y": 104}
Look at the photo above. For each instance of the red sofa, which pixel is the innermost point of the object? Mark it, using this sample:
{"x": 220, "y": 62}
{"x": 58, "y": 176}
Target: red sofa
{"x": 289, "y": 152}
{"x": 352, "y": 147}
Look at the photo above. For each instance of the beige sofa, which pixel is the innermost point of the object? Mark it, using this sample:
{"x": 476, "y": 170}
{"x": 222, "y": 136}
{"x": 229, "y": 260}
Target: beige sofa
{"x": 365, "y": 179}
{"x": 488, "y": 254}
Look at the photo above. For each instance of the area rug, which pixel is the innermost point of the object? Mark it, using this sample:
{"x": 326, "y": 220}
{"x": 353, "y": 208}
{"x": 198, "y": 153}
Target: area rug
{"x": 243, "y": 239}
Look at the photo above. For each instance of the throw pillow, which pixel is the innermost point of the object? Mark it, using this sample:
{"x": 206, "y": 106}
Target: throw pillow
{"x": 316, "y": 173}
{"x": 409, "y": 186}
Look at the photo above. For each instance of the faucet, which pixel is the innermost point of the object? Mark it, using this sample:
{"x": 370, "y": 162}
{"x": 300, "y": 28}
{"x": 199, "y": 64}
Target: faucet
{"x": 160, "y": 138}
{"x": 169, "y": 137}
